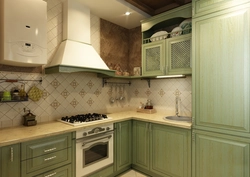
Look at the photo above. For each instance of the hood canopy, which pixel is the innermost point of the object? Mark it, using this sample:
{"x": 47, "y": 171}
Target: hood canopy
{"x": 75, "y": 53}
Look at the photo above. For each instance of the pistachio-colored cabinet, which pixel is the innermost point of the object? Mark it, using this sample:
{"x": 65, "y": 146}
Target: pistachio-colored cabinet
{"x": 10, "y": 161}
{"x": 165, "y": 54}
{"x": 49, "y": 156}
{"x": 123, "y": 143}
{"x": 167, "y": 57}
{"x": 204, "y": 7}
{"x": 160, "y": 150}
{"x": 221, "y": 78}
{"x": 219, "y": 155}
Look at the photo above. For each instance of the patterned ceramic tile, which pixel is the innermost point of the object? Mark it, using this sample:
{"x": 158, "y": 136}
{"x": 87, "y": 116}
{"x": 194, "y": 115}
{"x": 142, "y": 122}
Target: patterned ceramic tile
{"x": 90, "y": 84}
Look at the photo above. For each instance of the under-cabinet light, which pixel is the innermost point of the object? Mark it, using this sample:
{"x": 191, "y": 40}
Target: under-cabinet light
{"x": 171, "y": 76}
{"x": 127, "y": 13}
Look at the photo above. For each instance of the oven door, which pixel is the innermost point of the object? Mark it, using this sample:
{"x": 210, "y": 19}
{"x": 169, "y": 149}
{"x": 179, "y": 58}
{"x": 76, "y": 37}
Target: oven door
{"x": 93, "y": 153}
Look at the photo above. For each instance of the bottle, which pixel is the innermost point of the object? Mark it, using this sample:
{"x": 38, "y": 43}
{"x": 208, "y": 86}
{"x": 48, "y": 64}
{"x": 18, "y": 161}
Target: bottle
{"x": 22, "y": 93}
{"x": 149, "y": 105}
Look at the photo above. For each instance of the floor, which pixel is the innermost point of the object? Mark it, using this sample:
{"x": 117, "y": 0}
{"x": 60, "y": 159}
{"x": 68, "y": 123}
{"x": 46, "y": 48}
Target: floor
{"x": 132, "y": 173}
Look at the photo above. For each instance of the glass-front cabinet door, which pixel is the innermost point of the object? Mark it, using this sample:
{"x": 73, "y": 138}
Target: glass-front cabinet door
{"x": 153, "y": 58}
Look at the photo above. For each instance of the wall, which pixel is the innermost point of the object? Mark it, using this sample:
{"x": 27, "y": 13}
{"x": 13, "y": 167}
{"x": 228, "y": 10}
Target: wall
{"x": 70, "y": 94}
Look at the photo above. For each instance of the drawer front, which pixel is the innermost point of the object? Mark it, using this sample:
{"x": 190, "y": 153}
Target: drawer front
{"x": 203, "y": 7}
{"x": 54, "y": 160}
{"x": 45, "y": 146}
{"x": 64, "y": 171}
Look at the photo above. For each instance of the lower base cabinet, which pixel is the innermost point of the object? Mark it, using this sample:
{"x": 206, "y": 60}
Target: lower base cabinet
{"x": 10, "y": 161}
{"x": 160, "y": 150}
{"x": 219, "y": 155}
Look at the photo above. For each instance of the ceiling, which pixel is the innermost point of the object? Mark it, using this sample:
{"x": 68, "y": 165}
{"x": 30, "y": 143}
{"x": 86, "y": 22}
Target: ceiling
{"x": 114, "y": 10}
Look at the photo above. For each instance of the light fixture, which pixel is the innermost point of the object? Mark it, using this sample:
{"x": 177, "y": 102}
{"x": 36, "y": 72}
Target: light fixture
{"x": 127, "y": 13}
{"x": 170, "y": 76}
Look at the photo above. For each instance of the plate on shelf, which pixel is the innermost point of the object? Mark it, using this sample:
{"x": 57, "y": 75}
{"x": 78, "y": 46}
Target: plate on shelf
{"x": 160, "y": 35}
{"x": 186, "y": 26}
{"x": 177, "y": 31}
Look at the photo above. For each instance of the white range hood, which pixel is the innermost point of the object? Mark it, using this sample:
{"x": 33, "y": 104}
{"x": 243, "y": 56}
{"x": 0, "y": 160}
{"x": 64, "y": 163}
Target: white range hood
{"x": 75, "y": 53}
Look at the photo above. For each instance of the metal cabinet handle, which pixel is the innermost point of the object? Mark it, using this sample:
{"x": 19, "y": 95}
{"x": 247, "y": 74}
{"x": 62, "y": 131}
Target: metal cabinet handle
{"x": 49, "y": 150}
{"x": 50, "y": 158}
{"x": 11, "y": 154}
{"x": 52, "y": 174}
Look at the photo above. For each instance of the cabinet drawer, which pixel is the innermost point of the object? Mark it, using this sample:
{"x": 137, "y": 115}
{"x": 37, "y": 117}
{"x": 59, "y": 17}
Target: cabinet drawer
{"x": 54, "y": 160}
{"x": 45, "y": 146}
{"x": 203, "y": 7}
{"x": 64, "y": 171}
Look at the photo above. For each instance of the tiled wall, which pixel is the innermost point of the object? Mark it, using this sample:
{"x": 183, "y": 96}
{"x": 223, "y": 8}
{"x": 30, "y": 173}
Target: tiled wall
{"x": 69, "y": 94}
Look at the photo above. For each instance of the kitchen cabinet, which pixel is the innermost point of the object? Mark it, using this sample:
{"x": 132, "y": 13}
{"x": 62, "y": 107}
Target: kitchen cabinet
{"x": 220, "y": 155}
{"x": 204, "y": 7}
{"x": 48, "y": 156}
{"x": 10, "y": 161}
{"x": 123, "y": 146}
{"x": 164, "y": 55}
{"x": 221, "y": 82}
{"x": 160, "y": 150}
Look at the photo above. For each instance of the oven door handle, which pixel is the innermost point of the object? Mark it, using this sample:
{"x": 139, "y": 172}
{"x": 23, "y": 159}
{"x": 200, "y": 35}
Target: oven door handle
{"x": 87, "y": 142}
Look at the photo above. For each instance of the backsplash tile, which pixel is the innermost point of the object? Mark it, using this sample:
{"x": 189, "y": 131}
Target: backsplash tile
{"x": 70, "y": 94}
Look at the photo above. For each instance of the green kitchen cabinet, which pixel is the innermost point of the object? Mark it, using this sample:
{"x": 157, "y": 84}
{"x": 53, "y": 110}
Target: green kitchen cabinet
{"x": 10, "y": 161}
{"x": 204, "y": 7}
{"x": 219, "y": 155}
{"x": 221, "y": 82}
{"x": 123, "y": 146}
{"x": 160, "y": 150}
{"x": 166, "y": 55}
{"x": 53, "y": 155}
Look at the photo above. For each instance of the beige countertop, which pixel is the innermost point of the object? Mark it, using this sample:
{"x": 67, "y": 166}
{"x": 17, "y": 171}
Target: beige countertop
{"x": 22, "y": 133}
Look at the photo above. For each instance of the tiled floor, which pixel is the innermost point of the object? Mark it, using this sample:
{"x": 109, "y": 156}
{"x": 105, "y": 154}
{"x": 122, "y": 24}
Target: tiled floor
{"x": 132, "y": 173}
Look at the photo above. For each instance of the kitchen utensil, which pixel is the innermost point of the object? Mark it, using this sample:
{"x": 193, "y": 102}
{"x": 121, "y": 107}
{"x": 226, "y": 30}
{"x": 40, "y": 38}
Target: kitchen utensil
{"x": 111, "y": 100}
{"x": 122, "y": 93}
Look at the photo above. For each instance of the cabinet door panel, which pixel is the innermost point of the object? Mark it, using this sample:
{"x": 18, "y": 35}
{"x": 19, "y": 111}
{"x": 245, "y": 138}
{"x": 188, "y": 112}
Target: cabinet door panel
{"x": 222, "y": 70}
{"x": 203, "y": 7}
{"x": 220, "y": 155}
{"x": 141, "y": 144}
{"x": 123, "y": 145}
{"x": 170, "y": 151}
{"x": 179, "y": 55}
{"x": 10, "y": 161}
{"x": 153, "y": 58}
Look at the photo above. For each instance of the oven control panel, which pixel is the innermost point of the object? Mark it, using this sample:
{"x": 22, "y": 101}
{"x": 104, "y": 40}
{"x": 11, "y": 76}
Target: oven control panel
{"x": 93, "y": 131}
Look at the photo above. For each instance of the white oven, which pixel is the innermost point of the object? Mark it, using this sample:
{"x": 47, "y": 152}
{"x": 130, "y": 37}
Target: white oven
{"x": 94, "y": 149}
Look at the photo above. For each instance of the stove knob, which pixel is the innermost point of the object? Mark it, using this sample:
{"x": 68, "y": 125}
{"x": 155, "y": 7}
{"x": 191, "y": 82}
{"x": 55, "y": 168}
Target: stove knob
{"x": 84, "y": 134}
{"x": 107, "y": 128}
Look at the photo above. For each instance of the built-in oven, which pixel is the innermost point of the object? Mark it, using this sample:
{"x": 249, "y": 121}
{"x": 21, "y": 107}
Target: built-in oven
{"x": 94, "y": 149}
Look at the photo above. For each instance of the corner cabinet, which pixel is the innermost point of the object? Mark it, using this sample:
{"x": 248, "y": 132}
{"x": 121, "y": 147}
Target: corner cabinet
{"x": 160, "y": 150}
{"x": 167, "y": 54}
{"x": 10, "y": 161}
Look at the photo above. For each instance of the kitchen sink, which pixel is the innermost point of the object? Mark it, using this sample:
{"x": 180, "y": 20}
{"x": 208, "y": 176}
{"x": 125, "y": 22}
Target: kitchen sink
{"x": 178, "y": 118}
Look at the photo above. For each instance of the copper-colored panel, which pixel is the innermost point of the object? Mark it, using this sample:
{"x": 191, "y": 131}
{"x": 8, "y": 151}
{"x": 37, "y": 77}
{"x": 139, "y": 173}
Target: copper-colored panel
{"x": 157, "y": 6}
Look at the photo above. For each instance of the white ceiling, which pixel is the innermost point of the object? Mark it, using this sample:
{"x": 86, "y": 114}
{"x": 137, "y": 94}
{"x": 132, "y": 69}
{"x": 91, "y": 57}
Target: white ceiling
{"x": 113, "y": 11}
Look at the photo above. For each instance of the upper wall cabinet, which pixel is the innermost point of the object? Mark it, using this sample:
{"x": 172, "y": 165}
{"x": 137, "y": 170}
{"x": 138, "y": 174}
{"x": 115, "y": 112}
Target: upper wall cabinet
{"x": 166, "y": 43}
{"x": 204, "y": 7}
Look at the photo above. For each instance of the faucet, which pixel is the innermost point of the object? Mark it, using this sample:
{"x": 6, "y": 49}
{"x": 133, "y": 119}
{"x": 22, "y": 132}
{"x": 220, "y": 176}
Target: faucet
{"x": 176, "y": 106}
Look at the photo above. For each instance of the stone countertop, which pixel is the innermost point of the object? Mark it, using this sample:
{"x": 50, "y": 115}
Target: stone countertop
{"x": 22, "y": 133}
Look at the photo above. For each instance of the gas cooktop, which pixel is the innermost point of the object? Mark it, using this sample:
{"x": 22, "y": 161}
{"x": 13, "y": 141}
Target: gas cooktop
{"x": 81, "y": 119}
